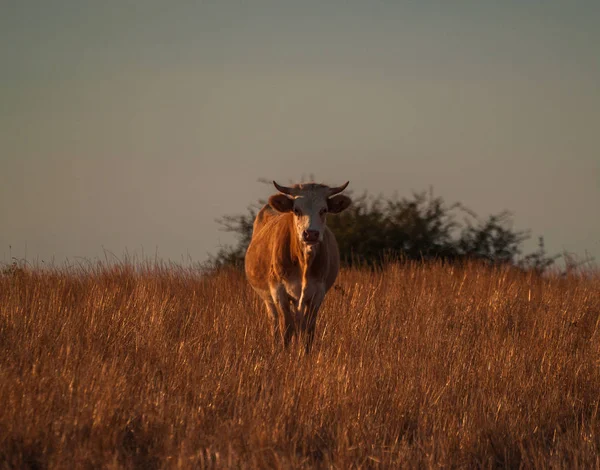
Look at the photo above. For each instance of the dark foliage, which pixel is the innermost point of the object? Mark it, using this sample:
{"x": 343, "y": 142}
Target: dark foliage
{"x": 421, "y": 227}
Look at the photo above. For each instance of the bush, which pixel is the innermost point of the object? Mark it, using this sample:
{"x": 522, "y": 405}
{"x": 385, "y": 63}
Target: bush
{"x": 422, "y": 227}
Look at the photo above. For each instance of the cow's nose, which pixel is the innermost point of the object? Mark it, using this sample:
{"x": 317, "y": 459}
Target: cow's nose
{"x": 310, "y": 235}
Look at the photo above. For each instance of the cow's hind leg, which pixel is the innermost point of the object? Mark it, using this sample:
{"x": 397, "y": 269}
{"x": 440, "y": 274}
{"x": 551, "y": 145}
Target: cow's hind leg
{"x": 281, "y": 299}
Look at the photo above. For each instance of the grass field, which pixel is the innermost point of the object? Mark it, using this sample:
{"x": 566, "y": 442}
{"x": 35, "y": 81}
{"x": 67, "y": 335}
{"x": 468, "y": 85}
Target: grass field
{"x": 415, "y": 366}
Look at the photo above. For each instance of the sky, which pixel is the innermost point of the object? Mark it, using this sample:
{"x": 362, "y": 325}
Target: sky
{"x": 129, "y": 126}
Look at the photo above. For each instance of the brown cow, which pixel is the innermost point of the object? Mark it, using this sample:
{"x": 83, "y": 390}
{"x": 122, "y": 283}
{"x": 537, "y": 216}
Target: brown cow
{"x": 293, "y": 257}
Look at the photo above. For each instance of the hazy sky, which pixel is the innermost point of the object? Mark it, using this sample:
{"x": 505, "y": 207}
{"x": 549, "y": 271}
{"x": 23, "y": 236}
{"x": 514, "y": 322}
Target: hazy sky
{"x": 134, "y": 124}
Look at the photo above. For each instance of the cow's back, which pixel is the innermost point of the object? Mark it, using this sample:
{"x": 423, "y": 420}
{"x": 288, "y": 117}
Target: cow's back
{"x": 270, "y": 234}
{"x": 266, "y": 214}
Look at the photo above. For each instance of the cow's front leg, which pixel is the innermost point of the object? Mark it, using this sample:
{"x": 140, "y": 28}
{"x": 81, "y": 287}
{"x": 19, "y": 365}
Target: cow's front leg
{"x": 281, "y": 299}
{"x": 275, "y": 320}
{"x": 309, "y": 304}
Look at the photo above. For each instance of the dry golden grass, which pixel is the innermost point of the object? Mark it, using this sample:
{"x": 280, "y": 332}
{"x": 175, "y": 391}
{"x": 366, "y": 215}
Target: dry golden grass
{"x": 415, "y": 366}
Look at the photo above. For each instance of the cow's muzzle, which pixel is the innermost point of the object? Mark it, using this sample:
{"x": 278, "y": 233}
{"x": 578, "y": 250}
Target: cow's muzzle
{"x": 310, "y": 236}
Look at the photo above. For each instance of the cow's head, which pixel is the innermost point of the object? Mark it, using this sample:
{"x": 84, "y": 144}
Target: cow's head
{"x": 309, "y": 204}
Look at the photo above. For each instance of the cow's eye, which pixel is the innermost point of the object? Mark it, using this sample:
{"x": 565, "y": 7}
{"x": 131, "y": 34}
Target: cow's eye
{"x": 323, "y": 211}
{"x": 297, "y": 211}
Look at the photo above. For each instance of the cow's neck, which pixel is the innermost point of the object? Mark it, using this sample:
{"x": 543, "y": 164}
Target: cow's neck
{"x": 303, "y": 254}
{"x": 310, "y": 254}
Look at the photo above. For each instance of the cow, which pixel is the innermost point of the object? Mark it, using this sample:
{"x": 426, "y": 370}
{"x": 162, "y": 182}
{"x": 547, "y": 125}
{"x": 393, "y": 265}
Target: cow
{"x": 293, "y": 257}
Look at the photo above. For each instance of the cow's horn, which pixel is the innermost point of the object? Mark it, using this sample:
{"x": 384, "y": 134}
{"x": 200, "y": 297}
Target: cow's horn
{"x": 284, "y": 189}
{"x": 339, "y": 189}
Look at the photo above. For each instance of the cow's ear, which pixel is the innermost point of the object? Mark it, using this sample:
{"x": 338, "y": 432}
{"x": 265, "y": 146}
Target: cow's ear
{"x": 281, "y": 203}
{"x": 337, "y": 204}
